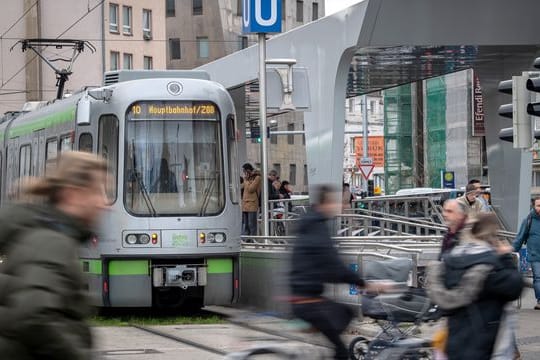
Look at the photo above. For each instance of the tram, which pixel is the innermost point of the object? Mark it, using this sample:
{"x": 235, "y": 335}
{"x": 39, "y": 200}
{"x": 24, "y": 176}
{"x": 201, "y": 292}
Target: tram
{"x": 172, "y": 235}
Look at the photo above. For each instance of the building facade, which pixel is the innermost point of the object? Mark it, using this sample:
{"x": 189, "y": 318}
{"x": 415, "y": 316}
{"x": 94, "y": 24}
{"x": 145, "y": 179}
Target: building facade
{"x": 124, "y": 33}
{"x": 201, "y": 31}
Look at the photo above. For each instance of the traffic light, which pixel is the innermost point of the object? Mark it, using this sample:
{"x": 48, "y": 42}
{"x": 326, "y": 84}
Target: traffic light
{"x": 255, "y": 133}
{"x": 521, "y": 131}
{"x": 533, "y": 84}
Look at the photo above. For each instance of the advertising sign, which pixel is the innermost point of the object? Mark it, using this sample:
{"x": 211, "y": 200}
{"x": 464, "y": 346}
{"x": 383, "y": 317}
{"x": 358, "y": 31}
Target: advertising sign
{"x": 478, "y": 108}
{"x": 375, "y": 149}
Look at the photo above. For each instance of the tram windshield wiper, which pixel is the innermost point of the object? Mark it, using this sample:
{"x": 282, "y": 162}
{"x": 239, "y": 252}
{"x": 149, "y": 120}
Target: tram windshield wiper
{"x": 206, "y": 196}
{"x": 140, "y": 182}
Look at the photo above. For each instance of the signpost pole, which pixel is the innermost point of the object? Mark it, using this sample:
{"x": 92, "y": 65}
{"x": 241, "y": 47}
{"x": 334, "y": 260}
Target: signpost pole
{"x": 262, "y": 127}
{"x": 365, "y": 136}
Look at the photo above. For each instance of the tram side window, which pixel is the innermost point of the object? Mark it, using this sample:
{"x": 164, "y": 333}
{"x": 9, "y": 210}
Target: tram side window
{"x": 1, "y": 176}
{"x": 51, "y": 155}
{"x": 232, "y": 153}
{"x": 108, "y": 149}
{"x": 86, "y": 142}
{"x": 25, "y": 161}
{"x": 65, "y": 143}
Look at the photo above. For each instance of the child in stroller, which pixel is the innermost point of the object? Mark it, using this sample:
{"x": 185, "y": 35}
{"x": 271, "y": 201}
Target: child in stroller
{"x": 398, "y": 315}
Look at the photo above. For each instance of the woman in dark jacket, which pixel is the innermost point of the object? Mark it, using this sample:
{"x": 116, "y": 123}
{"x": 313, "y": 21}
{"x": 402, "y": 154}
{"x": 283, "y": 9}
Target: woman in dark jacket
{"x": 43, "y": 302}
{"x": 472, "y": 284}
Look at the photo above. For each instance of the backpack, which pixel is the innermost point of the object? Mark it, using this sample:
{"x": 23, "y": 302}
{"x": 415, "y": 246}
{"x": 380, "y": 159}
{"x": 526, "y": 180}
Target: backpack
{"x": 529, "y": 224}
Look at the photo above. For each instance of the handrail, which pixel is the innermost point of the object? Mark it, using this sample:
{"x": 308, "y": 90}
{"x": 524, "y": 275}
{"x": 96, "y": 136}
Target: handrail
{"x": 368, "y": 217}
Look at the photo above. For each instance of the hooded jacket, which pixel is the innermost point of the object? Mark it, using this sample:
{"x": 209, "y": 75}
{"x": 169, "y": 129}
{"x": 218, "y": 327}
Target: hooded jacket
{"x": 531, "y": 236}
{"x": 472, "y": 285}
{"x": 315, "y": 261}
{"x": 42, "y": 300}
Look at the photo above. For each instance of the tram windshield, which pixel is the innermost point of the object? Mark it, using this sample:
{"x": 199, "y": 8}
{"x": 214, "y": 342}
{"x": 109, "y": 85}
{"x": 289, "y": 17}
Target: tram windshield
{"x": 173, "y": 162}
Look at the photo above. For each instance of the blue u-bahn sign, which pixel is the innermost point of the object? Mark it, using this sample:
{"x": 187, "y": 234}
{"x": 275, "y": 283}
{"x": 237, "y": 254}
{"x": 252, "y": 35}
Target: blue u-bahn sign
{"x": 261, "y": 16}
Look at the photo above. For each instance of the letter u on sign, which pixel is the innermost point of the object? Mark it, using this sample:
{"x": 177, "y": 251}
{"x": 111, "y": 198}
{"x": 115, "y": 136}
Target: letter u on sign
{"x": 261, "y": 16}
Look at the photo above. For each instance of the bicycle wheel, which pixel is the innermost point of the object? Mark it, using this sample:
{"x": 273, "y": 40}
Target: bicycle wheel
{"x": 359, "y": 347}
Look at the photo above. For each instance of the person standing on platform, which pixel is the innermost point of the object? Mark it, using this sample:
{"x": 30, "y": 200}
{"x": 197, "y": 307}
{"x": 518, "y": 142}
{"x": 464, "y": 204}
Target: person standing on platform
{"x": 251, "y": 192}
{"x": 529, "y": 234}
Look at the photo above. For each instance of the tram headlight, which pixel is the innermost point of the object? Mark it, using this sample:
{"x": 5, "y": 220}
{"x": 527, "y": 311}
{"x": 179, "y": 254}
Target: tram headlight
{"x": 131, "y": 239}
{"x": 219, "y": 237}
{"x": 144, "y": 238}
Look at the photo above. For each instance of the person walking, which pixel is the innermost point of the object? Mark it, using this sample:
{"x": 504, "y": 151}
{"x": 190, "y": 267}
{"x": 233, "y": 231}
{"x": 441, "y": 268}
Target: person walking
{"x": 315, "y": 262}
{"x": 470, "y": 201}
{"x": 472, "y": 285}
{"x": 529, "y": 234}
{"x": 251, "y": 192}
{"x": 43, "y": 302}
{"x": 455, "y": 218}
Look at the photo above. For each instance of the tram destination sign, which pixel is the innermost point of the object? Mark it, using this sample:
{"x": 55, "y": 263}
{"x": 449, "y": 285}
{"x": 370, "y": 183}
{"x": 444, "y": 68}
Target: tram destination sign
{"x": 173, "y": 110}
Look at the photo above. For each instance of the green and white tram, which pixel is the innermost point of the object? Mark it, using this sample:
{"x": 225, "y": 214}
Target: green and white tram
{"x": 172, "y": 235}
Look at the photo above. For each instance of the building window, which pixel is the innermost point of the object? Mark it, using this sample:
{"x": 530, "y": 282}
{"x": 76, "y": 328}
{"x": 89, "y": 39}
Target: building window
{"x": 290, "y": 137}
{"x": 170, "y": 8}
{"x": 239, "y": 8}
{"x": 147, "y": 24}
{"x": 128, "y": 61}
{"x": 148, "y": 63}
{"x": 277, "y": 167}
{"x": 299, "y": 11}
{"x": 315, "y": 11}
{"x": 273, "y": 137}
{"x": 113, "y": 18}
{"x": 292, "y": 174}
{"x": 197, "y": 7}
{"x": 202, "y": 46}
{"x": 174, "y": 49}
{"x": 127, "y": 17}
{"x": 305, "y": 175}
{"x": 115, "y": 60}
{"x": 304, "y": 134}
{"x": 243, "y": 42}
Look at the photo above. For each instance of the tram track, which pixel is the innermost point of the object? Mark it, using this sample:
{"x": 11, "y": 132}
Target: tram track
{"x": 180, "y": 339}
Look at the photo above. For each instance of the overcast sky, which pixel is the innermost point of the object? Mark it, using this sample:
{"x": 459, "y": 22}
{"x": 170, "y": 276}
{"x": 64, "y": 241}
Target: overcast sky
{"x": 331, "y": 6}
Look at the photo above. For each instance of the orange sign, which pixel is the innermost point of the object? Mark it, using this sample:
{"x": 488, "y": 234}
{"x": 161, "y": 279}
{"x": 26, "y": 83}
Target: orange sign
{"x": 375, "y": 149}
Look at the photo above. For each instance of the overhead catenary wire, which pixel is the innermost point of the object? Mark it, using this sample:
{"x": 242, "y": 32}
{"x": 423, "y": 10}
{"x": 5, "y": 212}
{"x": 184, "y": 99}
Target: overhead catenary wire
{"x": 69, "y": 28}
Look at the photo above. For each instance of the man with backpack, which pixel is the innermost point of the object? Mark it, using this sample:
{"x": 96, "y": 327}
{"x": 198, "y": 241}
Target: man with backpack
{"x": 529, "y": 234}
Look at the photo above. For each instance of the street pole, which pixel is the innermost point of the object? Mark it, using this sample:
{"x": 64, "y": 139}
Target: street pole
{"x": 365, "y": 136}
{"x": 262, "y": 126}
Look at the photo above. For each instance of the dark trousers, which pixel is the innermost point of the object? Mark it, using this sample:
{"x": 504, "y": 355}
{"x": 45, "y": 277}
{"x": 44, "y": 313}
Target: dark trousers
{"x": 330, "y": 318}
{"x": 249, "y": 222}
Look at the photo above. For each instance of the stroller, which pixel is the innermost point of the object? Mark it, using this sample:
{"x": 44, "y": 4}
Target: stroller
{"x": 398, "y": 315}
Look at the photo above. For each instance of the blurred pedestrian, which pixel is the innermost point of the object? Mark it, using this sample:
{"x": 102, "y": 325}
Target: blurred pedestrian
{"x": 470, "y": 201}
{"x": 251, "y": 192}
{"x": 529, "y": 234}
{"x": 479, "y": 194}
{"x": 43, "y": 302}
{"x": 347, "y": 197}
{"x": 472, "y": 285}
{"x": 455, "y": 218}
{"x": 315, "y": 262}
{"x": 273, "y": 185}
